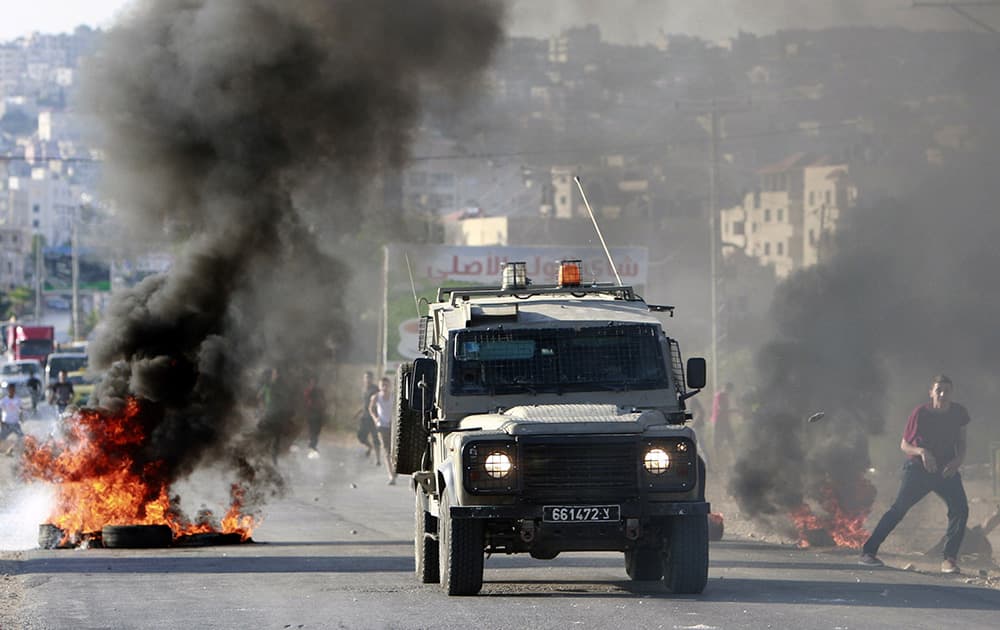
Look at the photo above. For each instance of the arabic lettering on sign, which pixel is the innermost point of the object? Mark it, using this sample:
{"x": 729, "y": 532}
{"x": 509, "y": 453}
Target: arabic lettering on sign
{"x": 484, "y": 264}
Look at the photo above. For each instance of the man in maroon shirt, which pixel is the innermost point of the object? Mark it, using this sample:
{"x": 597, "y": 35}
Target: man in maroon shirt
{"x": 934, "y": 442}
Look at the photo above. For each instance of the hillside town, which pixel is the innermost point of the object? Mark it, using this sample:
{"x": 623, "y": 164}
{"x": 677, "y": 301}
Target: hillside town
{"x": 783, "y": 134}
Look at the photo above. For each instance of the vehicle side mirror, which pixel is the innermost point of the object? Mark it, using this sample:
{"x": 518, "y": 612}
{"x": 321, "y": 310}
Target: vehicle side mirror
{"x": 422, "y": 385}
{"x": 696, "y": 373}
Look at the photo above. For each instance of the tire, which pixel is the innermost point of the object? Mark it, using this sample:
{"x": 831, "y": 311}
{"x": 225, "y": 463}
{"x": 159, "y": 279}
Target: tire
{"x": 50, "y": 536}
{"x": 136, "y": 536}
{"x": 685, "y": 563}
{"x": 209, "y": 539}
{"x": 716, "y": 527}
{"x": 425, "y": 544}
{"x": 461, "y": 552}
{"x": 644, "y": 564}
{"x": 408, "y": 437}
{"x": 702, "y": 479}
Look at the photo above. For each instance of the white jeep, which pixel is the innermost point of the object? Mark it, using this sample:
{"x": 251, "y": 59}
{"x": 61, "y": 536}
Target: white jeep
{"x": 545, "y": 419}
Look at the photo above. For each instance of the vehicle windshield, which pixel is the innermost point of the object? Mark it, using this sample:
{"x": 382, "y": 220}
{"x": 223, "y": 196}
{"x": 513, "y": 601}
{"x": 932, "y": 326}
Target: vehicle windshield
{"x": 36, "y": 347}
{"x": 78, "y": 379}
{"x": 14, "y": 369}
{"x": 66, "y": 364}
{"x": 616, "y": 358}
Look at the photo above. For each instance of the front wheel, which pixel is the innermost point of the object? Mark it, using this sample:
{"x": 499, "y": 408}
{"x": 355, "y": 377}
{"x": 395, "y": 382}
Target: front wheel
{"x": 461, "y": 552}
{"x": 644, "y": 564}
{"x": 685, "y": 562}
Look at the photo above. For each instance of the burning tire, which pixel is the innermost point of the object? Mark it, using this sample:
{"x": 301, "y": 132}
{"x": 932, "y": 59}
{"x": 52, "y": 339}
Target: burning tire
{"x": 209, "y": 539}
{"x": 716, "y": 526}
{"x": 643, "y": 564}
{"x": 425, "y": 544}
{"x": 50, "y": 536}
{"x": 136, "y": 536}
{"x": 461, "y": 543}
{"x": 408, "y": 438}
{"x": 685, "y": 563}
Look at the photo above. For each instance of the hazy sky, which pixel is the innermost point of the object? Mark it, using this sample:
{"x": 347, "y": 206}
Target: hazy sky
{"x": 621, "y": 20}
{"x": 22, "y": 17}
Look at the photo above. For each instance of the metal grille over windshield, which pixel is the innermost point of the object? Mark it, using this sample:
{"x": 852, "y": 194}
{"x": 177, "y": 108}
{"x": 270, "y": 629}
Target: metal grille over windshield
{"x": 614, "y": 357}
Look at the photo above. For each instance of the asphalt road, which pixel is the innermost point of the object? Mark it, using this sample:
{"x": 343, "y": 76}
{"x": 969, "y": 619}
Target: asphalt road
{"x": 336, "y": 553}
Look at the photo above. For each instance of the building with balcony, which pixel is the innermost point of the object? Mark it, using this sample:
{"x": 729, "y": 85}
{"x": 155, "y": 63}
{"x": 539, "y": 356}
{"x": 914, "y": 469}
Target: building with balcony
{"x": 787, "y": 222}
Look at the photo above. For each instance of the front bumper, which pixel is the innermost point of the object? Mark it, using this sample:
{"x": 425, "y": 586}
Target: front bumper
{"x": 534, "y": 512}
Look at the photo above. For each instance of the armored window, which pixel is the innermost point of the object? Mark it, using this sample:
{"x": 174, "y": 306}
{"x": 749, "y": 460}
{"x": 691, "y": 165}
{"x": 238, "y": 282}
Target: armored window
{"x": 615, "y": 357}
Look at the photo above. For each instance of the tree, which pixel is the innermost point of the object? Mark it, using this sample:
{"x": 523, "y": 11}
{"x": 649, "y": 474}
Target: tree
{"x": 16, "y": 301}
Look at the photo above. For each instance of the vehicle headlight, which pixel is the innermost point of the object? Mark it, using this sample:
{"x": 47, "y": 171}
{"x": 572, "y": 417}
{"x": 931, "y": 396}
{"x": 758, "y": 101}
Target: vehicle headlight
{"x": 490, "y": 467}
{"x": 656, "y": 461}
{"x": 497, "y": 465}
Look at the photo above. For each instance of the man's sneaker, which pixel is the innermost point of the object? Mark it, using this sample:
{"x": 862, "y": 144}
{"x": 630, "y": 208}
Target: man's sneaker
{"x": 949, "y": 566}
{"x": 869, "y": 560}
{"x": 313, "y": 454}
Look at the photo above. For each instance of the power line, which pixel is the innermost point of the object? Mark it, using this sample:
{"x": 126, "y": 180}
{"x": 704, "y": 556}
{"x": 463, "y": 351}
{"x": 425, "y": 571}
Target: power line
{"x": 540, "y": 152}
{"x": 626, "y": 147}
{"x": 959, "y": 7}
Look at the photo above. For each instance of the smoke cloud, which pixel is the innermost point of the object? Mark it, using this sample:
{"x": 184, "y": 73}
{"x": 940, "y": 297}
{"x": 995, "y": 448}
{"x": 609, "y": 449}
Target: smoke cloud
{"x": 911, "y": 292}
{"x": 222, "y": 119}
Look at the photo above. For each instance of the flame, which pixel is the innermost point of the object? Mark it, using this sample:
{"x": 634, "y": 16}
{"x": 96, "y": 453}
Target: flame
{"x": 101, "y": 478}
{"x": 845, "y": 526}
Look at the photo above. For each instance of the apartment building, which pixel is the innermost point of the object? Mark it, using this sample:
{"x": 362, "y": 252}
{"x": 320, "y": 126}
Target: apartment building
{"x": 44, "y": 203}
{"x": 788, "y": 221}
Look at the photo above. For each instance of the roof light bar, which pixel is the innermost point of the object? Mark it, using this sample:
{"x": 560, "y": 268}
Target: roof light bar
{"x": 569, "y": 273}
{"x": 514, "y": 275}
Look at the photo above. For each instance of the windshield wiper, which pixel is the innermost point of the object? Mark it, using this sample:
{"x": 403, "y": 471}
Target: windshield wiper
{"x": 614, "y": 387}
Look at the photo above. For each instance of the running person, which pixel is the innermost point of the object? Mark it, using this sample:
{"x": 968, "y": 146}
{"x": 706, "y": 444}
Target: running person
{"x": 10, "y": 416}
{"x": 380, "y": 410}
{"x": 61, "y": 393}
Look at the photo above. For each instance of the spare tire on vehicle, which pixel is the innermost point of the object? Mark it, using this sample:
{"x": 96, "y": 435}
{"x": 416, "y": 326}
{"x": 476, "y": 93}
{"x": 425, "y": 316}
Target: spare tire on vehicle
{"x": 136, "y": 536}
{"x": 408, "y": 437}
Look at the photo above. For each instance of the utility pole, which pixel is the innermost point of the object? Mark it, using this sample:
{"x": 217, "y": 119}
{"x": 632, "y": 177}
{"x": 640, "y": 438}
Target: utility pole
{"x": 715, "y": 110}
{"x": 75, "y": 270}
{"x": 38, "y": 278}
{"x": 960, "y": 6}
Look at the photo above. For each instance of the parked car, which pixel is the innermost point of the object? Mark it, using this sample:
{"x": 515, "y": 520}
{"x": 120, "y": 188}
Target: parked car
{"x": 57, "y": 303}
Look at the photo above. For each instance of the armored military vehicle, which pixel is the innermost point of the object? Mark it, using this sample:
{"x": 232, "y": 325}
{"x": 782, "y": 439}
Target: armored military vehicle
{"x": 544, "y": 419}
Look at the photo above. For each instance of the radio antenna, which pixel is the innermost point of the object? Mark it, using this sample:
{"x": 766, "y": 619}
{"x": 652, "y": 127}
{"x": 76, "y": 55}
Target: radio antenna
{"x": 413, "y": 286}
{"x": 579, "y": 184}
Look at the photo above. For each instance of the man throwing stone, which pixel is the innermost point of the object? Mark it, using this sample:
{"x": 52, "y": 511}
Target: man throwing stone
{"x": 934, "y": 442}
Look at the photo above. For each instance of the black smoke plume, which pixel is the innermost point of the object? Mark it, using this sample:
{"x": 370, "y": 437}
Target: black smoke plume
{"x": 220, "y": 118}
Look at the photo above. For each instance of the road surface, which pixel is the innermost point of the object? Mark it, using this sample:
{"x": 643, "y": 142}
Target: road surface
{"x": 336, "y": 553}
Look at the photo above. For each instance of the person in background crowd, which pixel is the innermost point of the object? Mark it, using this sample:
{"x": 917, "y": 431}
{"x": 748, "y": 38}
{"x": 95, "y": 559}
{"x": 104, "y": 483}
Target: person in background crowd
{"x": 10, "y": 416}
{"x": 934, "y": 443}
{"x": 380, "y": 410}
{"x": 722, "y": 420}
{"x": 366, "y": 428}
{"x": 276, "y": 410}
{"x": 35, "y": 391}
{"x": 61, "y": 393}
{"x": 315, "y": 412}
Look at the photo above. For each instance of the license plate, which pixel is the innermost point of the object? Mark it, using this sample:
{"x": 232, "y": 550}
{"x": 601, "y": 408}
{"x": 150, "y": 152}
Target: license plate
{"x": 580, "y": 513}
